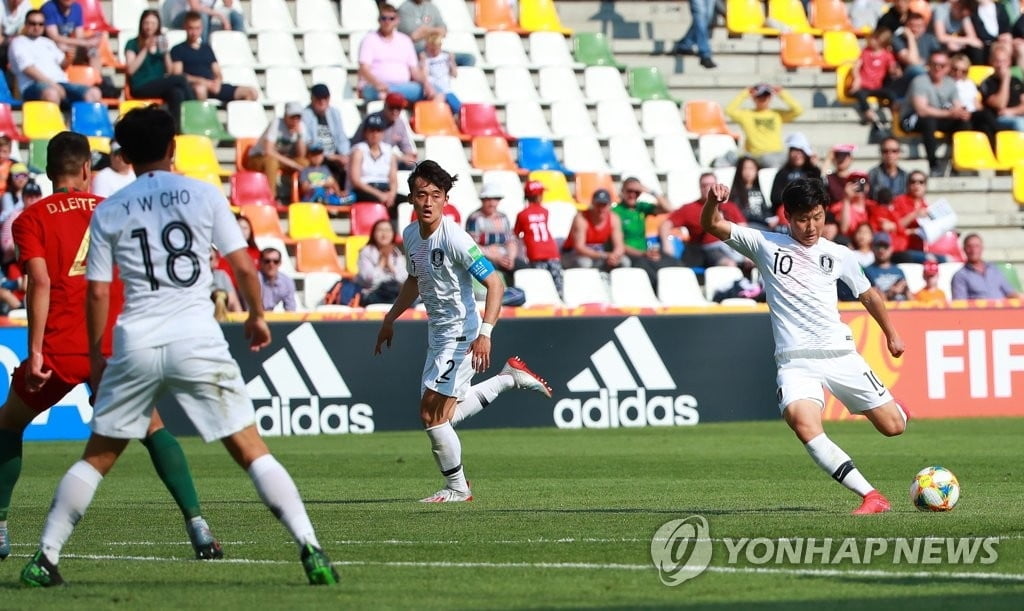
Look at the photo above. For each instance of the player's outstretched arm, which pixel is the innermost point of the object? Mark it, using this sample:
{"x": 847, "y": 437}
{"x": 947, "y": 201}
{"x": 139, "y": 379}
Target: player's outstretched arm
{"x": 481, "y": 346}
{"x": 97, "y": 308}
{"x": 38, "y": 300}
{"x": 410, "y": 291}
{"x": 256, "y": 329}
{"x": 711, "y": 219}
{"x": 875, "y": 305}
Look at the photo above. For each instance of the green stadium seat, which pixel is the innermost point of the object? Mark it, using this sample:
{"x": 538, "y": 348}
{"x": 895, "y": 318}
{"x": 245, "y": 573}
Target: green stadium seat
{"x": 37, "y": 155}
{"x": 1010, "y": 271}
{"x": 648, "y": 84}
{"x": 594, "y": 49}
{"x": 199, "y": 117}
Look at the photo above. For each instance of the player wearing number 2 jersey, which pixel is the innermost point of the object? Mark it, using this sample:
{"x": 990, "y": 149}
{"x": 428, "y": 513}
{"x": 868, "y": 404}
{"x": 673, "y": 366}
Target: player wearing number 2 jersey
{"x": 159, "y": 231}
{"x": 443, "y": 261}
{"x": 52, "y": 239}
{"x": 812, "y": 345}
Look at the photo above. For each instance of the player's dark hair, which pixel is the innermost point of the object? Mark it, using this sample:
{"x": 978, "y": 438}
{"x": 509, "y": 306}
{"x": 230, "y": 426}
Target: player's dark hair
{"x": 144, "y": 134}
{"x": 804, "y": 195}
{"x": 433, "y": 174}
{"x": 66, "y": 153}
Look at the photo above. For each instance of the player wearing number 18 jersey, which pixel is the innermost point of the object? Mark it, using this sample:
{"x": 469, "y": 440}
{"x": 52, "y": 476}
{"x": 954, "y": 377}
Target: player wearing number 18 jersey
{"x": 813, "y": 347}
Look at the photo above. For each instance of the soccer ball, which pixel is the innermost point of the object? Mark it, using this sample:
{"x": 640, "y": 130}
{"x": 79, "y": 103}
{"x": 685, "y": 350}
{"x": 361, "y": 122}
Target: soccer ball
{"x": 934, "y": 489}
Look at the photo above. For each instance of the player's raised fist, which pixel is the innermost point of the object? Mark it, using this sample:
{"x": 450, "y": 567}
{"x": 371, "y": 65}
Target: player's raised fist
{"x": 718, "y": 193}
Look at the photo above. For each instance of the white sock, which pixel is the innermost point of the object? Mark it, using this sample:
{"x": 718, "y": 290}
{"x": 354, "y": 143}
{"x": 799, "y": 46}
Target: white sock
{"x": 481, "y": 395}
{"x": 903, "y": 414}
{"x": 447, "y": 449}
{"x": 837, "y": 463}
{"x": 74, "y": 493}
{"x": 279, "y": 494}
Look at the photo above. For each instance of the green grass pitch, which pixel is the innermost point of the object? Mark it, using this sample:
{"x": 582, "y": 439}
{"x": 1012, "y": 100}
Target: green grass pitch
{"x": 561, "y": 519}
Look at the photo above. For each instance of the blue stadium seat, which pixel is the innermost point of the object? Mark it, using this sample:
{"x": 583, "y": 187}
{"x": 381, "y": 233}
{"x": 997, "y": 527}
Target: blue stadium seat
{"x": 539, "y": 154}
{"x": 91, "y": 119}
{"x": 6, "y": 97}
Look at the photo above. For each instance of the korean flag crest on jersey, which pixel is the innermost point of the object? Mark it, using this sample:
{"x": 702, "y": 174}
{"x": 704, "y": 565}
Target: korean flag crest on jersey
{"x": 437, "y": 257}
{"x": 827, "y": 263}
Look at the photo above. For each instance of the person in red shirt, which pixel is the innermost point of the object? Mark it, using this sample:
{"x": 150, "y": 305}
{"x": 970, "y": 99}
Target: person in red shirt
{"x": 872, "y": 72}
{"x": 532, "y": 228}
{"x": 704, "y": 249}
{"x": 52, "y": 239}
{"x": 596, "y": 236}
{"x": 855, "y": 208}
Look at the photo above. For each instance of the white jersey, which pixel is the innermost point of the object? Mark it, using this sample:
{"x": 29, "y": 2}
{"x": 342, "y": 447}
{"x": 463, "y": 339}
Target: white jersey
{"x": 442, "y": 264}
{"x": 159, "y": 231}
{"x": 800, "y": 284}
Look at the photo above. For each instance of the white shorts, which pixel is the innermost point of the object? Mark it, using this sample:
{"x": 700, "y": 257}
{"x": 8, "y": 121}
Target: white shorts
{"x": 847, "y": 376}
{"x": 199, "y": 372}
{"x": 449, "y": 369}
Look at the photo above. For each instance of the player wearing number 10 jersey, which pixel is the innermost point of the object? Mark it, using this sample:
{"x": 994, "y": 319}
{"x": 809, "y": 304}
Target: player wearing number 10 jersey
{"x": 52, "y": 239}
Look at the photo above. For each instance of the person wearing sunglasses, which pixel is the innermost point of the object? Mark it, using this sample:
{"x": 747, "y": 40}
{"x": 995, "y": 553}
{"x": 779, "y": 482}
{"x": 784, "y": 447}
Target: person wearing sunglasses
{"x": 888, "y": 174}
{"x": 275, "y": 287}
{"x": 388, "y": 62}
{"x": 38, "y": 64}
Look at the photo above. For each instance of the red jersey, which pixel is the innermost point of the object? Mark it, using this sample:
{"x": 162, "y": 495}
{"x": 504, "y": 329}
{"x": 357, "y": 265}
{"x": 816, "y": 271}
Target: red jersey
{"x": 689, "y": 216}
{"x": 597, "y": 235}
{"x": 900, "y": 239}
{"x": 532, "y": 228}
{"x": 857, "y": 215}
{"x": 874, "y": 67}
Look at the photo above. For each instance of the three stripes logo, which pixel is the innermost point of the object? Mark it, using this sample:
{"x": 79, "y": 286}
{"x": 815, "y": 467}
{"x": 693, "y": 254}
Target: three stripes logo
{"x": 623, "y": 372}
{"x": 294, "y": 394}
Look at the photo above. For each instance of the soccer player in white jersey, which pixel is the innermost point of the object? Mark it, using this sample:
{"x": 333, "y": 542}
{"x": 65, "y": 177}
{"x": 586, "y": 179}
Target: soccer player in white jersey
{"x": 812, "y": 345}
{"x": 442, "y": 262}
{"x": 159, "y": 231}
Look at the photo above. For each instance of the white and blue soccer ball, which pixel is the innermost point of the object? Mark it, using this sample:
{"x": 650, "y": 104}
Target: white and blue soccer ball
{"x": 934, "y": 489}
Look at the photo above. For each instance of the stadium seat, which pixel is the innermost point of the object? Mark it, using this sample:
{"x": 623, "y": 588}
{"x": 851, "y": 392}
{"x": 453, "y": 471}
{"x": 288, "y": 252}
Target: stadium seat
{"x": 830, "y": 16}
{"x": 504, "y": 49}
{"x": 1018, "y": 183}
{"x": 628, "y": 156}
{"x": 510, "y": 184}
{"x": 495, "y": 15}
{"x": 456, "y": 15}
{"x": 631, "y": 288}
{"x": 277, "y": 48}
{"x": 549, "y": 49}
{"x": 719, "y": 277}
{"x": 682, "y": 187}
{"x": 841, "y": 47}
{"x": 196, "y": 154}
{"x": 350, "y": 116}
{"x": 286, "y": 84}
{"x": 317, "y": 15}
{"x": 678, "y": 286}
{"x": 323, "y": 48}
{"x": 6, "y": 97}
{"x": 571, "y": 118}
{"x": 358, "y": 15}
{"x": 315, "y": 287}
{"x": 1010, "y": 271}
{"x": 514, "y": 83}
{"x": 251, "y": 189}
{"x": 593, "y": 49}
{"x": 747, "y": 17}
{"x": 603, "y": 83}
{"x": 93, "y": 18}
{"x": 363, "y": 215}
{"x": 353, "y": 244}
{"x": 91, "y": 119}
{"x": 792, "y": 14}
{"x": 317, "y": 254}
{"x": 660, "y": 117}
{"x": 434, "y": 118}
{"x": 556, "y": 187}
{"x": 706, "y": 117}
{"x": 714, "y": 146}
{"x": 560, "y": 218}
{"x": 232, "y": 48}
{"x": 972, "y": 151}
{"x": 200, "y": 117}
{"x": 946, "y": 271}
{"x": 947, "y": 245}
{"x": 335, "y": 78}
{"x": 463, "y": 42}
{"x": 583, "y": 154}
{"x": 616, "y": 117}
{"x": 142, "y": 101}
{"x": 125, "y": 15}
{"x": 309, "y": 220}
{"x": 979, "y": 73}
{"x": 588, "y": 182}
{"x": 471, "y": 87}
{"x": 447, "y": 151}
{"x": 264, "y": 220}
{"x": 800, "y": 50}
{"x": 842, "y": 73}
{"x": 648, "y": 84}
{"x": 525, "y": 119}
{"x": 246, "y": 119}
{"x": 539, "y": 287}
{"x": 1010, "y": 148}
{"x": 539, "y": 154}
{"x": 766, "y": 176}
{"x": 107, "y": 57}
{"x": 37, "y": 155}
{"x": 270, "y": 15}
{"x": 540, "y": 16}
{"x": 242, "y": 146}
{"x": 481, "y": 120}
{"x": 42, "y": 120}
{"x": 492, "y": 153}
{"x": 673, "y": 151}
{"x": 8, "y": 126}
{"x": 914, "y": 273}
{"x": 583, "y": 285}
{"x": 559, "y": 83}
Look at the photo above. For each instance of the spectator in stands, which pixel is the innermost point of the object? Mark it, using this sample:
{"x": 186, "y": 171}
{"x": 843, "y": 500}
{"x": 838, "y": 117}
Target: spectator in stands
{"x": 913, "y": 48}
{"x": 387, "y": 62}
{"x": 276, "y": 288}
{"x": 222, "y": 289}
{"x": 991, "y": 24}
{"x": 798, "y": 165}
{"x": 702, "y": 248}
{"x": 12, "y": 197}
{"x": 762, "y": 126}
{"x": 115, "y": 176}
{"x": 6, "y": 162}
{"x": 978, "y": 279}
{"x": 324, "y": 126}
{"x": 953, "y": 29}
{"x": 872, "y": 75}
{"x": 865, "y": 14}
{"x": 12, "y": 20}
{"x": 492, "y": 230}
{"x": 841, "y": 156}
{"x": 532, "y": 228}
{"x": 884, "y": 276}
{"x": 1002, "y": 93}
{"x": 381, "y": 266}
{"x": 888, "y": 174}
{"x": 225, "y": 15}
{"x": 39, "y": 66}
{"x": 195, "y": 59}
{"x": 968, "y": 94}
{"x": 861, "y": 244}
{"x": 931, "y": 105}
{"x": 396, "y": 131}
{"x": 250, "y": 239}
{"x": 439, "y": 67}
{"x": 896, "y": 17}
{"x": 148, "y": 64}
{"x": 931, "y": 293}
{"x": 29, "y": 195}
{"x": 595, "y": 239}
{"x": 373, "y": 167}
{"x": 701, "y": 14}
{"x": 419, "y": 19}
{"x": 750, "y": 198}
{"x": 316, "y": 184}
{"x": 855, "y": 207}
{"x": 633, "y": 215}
{"x": 65, "y": 26}
{"x": 281, "y": 148}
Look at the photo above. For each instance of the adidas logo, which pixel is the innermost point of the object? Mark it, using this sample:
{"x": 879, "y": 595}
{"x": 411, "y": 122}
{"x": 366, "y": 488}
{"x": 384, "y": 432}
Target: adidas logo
{"x": 292, "y": 408}
{"x": 628, "y": 371}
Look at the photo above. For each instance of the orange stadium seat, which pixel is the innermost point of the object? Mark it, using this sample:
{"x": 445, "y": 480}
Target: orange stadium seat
{"x": 706, "y": 117}
{"x": 497, "y": 15}
{"x": 107, "y": 57}
{"x": 588, "y": 182}
{"x": 493, "y": 153}
{"x": 265, "y": 222}
{"x": 830, "y": 15}
{"x": 317, "y": 255}
{"x": 800, "y": 50}
{"x": 434, "y": 118}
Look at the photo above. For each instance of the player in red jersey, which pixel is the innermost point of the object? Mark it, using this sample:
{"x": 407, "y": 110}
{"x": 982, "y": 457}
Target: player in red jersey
{"x": 52, "y": 240}
{"x": 532, "y": 227}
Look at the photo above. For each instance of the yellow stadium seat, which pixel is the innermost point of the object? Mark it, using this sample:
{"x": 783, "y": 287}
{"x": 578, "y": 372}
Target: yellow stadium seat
{"x": 307, "y": 220}
{"x": 99, "y": 144}
{"x": 791, "y": 13}
{"x": 196, "y": 155}
{"x": 747, "y": 17}
{"x": 42, "y": 120}
{"x": 842, "y": 72}
{"x": 1018, "y": 183}
{"x": 353, "y": 244}
{"x": 127, "y": 105}
{"x": 1010, "y": 148}
{"x": 799, "y": 50}
{"x": 540, "y": 16}
{"x": 830, "y": 15}
{"x": 979, "y": 73}
{"x": 556, "y": 187}
{"x": 841, "y": 47}
{"x": 972, "y": 151}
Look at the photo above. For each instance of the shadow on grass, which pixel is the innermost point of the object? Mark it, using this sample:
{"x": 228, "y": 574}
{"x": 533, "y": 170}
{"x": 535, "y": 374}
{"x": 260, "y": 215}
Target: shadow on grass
{"x": 994, "y": 602}
{"x": 682, "y": 510}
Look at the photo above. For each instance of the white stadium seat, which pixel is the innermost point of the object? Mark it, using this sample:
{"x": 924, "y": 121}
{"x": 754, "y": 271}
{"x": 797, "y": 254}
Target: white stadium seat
{"x": 246, "y": 119}
{"x": 719, "y": 277}
{"x": 539, "y": 287}
{"x": 604, "y": 83}
{"x": 277, "y": 48}
{"x": 504, "y": 49}
{"x": 514, "y": 83}
{"x": 559, "y": 83}
{"x": 571, "y": 118}
{"x": 270, "y": 15}
{"x": 313, "y": 15}
{"x": 583, "y": 154}
{"x": 631, "y": 288}
{"x": 616, "y": 117}
{"x": 583, "y": 285}
{"x": 322, "y": 48}
{"x": 525, "y": 119}
{"x": 315, "y": 287}
{"x": 678, "y": 286}
{"x": 659, "y": 117}
{"x": 549, "y": 49}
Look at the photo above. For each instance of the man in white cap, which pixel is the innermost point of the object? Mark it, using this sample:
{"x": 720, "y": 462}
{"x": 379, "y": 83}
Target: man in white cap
{"x": 492, "y": 231}
{"x": 111, "y": 178}
{"x": 762, "y": 126}
{"x": 281, "y": 148}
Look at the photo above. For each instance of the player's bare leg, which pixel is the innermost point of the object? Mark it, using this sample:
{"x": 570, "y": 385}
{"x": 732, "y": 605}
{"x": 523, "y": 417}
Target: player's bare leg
{"x": 515, "y": 374}
{"x": 14, "y": 418}
{"x": 279, "y": 493}
{"x": 804, "y": 417}
{"x": 436, "y": 411}
{"x": 890, "y": 419}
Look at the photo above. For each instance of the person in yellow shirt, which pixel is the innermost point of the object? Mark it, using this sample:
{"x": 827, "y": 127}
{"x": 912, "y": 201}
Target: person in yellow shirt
{"x": 762, "y": 126}
{"x": 931, "y": 293}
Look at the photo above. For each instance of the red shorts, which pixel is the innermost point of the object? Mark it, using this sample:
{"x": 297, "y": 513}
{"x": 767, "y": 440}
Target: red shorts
{"x": 69, "y": 370}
